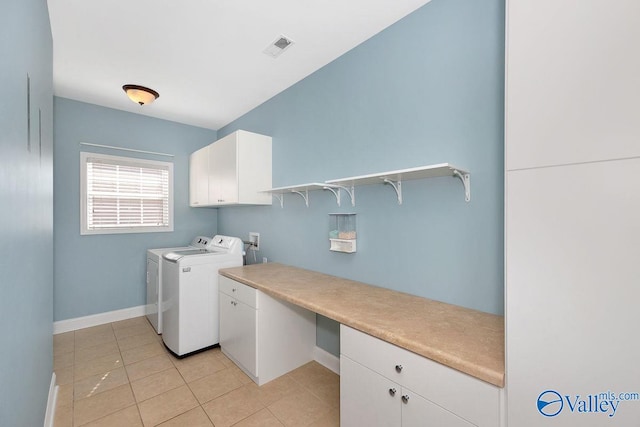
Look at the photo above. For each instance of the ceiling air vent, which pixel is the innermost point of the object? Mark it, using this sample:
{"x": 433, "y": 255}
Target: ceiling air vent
{"x": 278, "y": 46}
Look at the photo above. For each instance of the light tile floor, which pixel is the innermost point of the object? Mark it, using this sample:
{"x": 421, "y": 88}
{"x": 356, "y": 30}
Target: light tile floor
{"x": 120, "y": 374}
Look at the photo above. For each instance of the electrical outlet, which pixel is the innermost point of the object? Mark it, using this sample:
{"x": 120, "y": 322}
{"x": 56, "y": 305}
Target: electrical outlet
{"x": 254, "y": 238}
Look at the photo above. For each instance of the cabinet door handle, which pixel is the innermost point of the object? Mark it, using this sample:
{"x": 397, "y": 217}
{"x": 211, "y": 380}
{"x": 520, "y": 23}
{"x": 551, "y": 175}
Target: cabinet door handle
{"x": 405, "y": 398}
{"x": 392, "y": 391}
{"x": 398, "y": 368}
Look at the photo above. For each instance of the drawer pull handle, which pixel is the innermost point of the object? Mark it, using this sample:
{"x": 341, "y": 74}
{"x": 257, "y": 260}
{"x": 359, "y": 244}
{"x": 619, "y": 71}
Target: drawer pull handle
{"x": 392, "y": 391}
{"x": 398, "y": 368}
{"x": 233, "y": 290}
{"x": 405, "y": 398}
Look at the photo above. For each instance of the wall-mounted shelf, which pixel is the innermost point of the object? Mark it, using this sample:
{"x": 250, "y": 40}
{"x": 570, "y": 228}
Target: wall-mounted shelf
{"x": 303, "y": 191}
{"x": 393, "y": 178}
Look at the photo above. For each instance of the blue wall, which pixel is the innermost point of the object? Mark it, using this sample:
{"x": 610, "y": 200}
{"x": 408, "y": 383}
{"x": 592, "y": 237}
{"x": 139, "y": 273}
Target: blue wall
{"x": 427, "y": 90}
{"x": 26, "y": 218}
{"x": 100, "y": 273}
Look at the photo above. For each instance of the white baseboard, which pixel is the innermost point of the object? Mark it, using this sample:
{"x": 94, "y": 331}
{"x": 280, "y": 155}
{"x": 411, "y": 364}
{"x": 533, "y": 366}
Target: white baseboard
{"x": 50, "y": 413}
{"x": 97, "y": 319}
{"x": 327, "y": 359}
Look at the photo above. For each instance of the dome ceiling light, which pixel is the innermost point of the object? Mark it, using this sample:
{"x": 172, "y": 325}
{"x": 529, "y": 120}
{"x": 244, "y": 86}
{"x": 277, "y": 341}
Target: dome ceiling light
{"x": 140, "y": 94}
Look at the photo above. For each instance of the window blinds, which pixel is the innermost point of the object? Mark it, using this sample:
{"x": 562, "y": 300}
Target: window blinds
{"x": 123, "y": 194}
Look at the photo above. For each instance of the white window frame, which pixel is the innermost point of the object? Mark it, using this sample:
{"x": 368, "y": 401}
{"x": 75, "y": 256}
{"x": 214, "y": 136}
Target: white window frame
{"x": 129, "y": 161}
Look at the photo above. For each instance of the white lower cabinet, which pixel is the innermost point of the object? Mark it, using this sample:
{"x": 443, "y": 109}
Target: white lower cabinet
{"x": 368, "y": 398}
{"x": 263, "y": 336}
{"x": 365, "y": 397}
{"x": 238, "y": 331}
{"x": 384, "y": 385}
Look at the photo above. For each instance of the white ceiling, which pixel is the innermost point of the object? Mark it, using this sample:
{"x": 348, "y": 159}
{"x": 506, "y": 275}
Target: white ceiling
{"x": 204, "y": 57}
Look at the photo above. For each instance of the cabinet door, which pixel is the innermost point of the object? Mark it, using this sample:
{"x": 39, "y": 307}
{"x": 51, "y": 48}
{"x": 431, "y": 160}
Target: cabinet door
{"x": 367, "y": 398}
{"x": 223, "y": 171}
{"x": 419, "y": 412}
{"x": 572, "y": 245}
{"x": 238, "y": 332}
{"x": 199, "y": 177}
{"x": 571, "y": 95}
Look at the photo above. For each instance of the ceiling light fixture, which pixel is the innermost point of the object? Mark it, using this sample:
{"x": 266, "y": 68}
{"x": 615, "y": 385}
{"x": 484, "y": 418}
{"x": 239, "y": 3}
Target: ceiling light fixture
{"x": 140, "y": 94}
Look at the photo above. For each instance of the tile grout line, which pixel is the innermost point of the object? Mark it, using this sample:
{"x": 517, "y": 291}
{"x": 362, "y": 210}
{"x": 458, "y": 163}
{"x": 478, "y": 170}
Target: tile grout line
{"x": 173, "y": 365}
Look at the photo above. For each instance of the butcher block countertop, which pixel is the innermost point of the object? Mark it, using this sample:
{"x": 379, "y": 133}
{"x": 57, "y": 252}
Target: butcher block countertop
{"x": 467, "y": 340}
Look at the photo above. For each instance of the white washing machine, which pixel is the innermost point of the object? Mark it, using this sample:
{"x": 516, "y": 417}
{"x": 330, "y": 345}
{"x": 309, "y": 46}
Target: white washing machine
{"x": 190, "y": 294}
{"x": 153, "y": 308}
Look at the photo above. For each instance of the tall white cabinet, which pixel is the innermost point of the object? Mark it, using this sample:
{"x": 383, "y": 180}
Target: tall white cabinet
{"x": 572, "y": 207}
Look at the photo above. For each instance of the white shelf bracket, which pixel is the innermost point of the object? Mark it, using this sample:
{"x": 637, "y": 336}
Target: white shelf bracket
{"x": 352, "y": 194}
{"x": 397, "y": 185}
{"x": 304, "y": 195}
{"x": 349, "y": 190}
{"x": 335, "y": 191}
{"x": 466, "y": 181}
{"x": 280, "y": 198}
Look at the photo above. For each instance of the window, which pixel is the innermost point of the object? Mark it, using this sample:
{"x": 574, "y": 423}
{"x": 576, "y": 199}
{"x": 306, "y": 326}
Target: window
{"x": 125, "y": 195}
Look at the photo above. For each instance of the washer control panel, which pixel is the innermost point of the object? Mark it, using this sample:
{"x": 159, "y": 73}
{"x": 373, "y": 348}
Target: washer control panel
{"x": 201, "y": 242}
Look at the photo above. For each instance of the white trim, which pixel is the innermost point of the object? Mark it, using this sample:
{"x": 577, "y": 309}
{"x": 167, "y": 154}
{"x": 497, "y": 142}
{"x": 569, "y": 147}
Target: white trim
{"x": 326, "y": 359}
{"x": 98, "y": 319}
{"x": 50, "y": 413}
{"x": 86, "y": 156}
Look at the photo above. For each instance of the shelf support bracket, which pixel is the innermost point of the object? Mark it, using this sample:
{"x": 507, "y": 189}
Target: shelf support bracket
{"x": 336, "y": 192}
{"x": 466, "y": 181}
{"x": 304, "y": 195}
{"x": 349, "y": 190}
{"x": 397, "y": 185}
{"x": 280, "y": 198}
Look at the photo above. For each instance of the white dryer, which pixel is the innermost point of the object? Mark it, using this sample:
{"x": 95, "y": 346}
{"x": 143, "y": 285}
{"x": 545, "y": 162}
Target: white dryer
{"x": 153, "y": 308}
{"x": 190, "y": 294}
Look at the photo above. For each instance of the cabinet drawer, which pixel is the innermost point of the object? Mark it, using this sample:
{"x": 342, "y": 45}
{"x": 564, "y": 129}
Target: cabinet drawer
{"x": 468, "y": 397}
{"x": 239, "y": 291}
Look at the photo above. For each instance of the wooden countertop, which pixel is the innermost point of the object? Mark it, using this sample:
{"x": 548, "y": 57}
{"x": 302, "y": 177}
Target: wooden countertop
{"x": 467, "y": 340}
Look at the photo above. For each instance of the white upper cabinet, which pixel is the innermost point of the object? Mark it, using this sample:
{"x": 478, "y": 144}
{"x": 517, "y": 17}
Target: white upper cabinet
{"x": 223, "y": 171}
{"x": 199, "y": 177}
{"x": 238, "y": 171}
{"x": 568, "y": 99}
